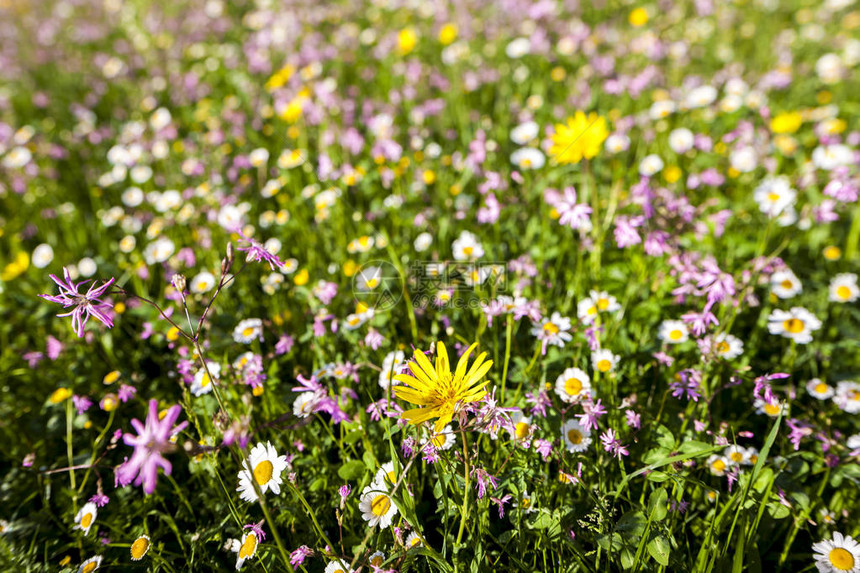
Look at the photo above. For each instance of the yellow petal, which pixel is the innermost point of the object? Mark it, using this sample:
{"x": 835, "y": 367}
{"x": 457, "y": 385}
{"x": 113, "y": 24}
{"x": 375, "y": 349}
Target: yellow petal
{"x": 441, "y": 360}
{"x": 477, "y": 366}
{"x": 413, "y": 382}
{"x": 424, "y": 364}
{"x": 461, "y": 365}
{"x": 410, "y": 395}
{"x": 418, "y": 415}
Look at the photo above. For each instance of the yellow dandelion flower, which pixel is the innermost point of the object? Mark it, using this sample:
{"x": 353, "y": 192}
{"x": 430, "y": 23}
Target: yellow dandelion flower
{"x": 638, "y": 17}
{"x": 581, "y": 137}
{"x": 448, "y": 34}
{"x": 406, "y": 40}
{"x": 786, "y": 122}
{"x": 440, "y": 393}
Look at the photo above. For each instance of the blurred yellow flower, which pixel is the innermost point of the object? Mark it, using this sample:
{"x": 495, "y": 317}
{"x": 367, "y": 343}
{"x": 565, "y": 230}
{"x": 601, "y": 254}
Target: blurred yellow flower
{"x": 638, "y": 17}
{"x": 60, "y": 395}
{"x": 406, "y": 41}
{"x": 17, "y": 267}
{"x": 786, "y": 122}
{"x": 581, "y": 137}
{"x": 448, "y": 34}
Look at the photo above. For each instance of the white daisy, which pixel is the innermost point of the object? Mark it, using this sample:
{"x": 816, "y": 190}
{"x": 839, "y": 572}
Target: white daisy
{"x": 728, "y": 347}
{"x": 771, "y": 409}
{"x": 443, "y": 440}
{"x": 140, "y": 547}
{"x": 572, "y": 384}
{"x": 829, "y": 157}
{"x": 522, "y": 426}
{"x": 594, "y": 303}
{"x": 525, "y": 502}
{"x": 90, "y": 564}
{"x": 718, "y": 465}
{"x": 673, "y": 332}
{"x": 86, "y": 517}
{"x": 774, "y": 195}
{"x": 247, "y": 330}
{"x": 338, "y": 566}
{"x": 843, "y": 288}
{"x": 650, "y": 165}
{"x": 819, "y": 390}
{"x": 42, "y": 256}
{"x": 386, "y": 474}
{"x": 681, "y": 140}
{"x": 412, "y": 540}
{"x": 267, "y": 468}
{"x": 203, "y": 282}
{"x": 553, "y": 330}
{"x": 700, "y": 97}
{"x": 303, "y": 406}
{"x": 376, "y": 506}
{"x": 527, "y": 158}
{"x": 837, "y": 555}
{"x": 524, "y": 132}
{"x": 376, "y": 559}
{"x": 246, "y": 548}
{"x": 576, "y": 437}
{"x": 785, "y": 284}
{"x": 796, "y": 324}
{"x": 604, "y": 360}
{"x": 467, "y": 247}
{"x": 391, "y": 365}
{"x": 848, "y": 396}
{"x": 735, "y": 454}
{"x": 202, "y": 383}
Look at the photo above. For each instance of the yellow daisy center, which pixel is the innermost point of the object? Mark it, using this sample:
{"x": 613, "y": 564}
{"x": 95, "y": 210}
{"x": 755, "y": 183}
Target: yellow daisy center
{"x": 719, "y": 465}
{"x": 574, "y": 436}
{"x": 392, "y": 477}
{"x": 821, "y": 387}
{"x": 602, "y": 303}
{"x": 771, "y": 409}
{"x": 263, "y": 472}
{"x": 793, "y": 325}
{"x": 604, "y": 365}
{"x": 372, "y": 283}
{"x": 843, "y": 292}
{"x": 468, "y": 250}
{"x": 773, "y": 196}
{"x": 737, "y": 457}
{"x": 841, "y": 559}
{"x": 573, "y": 386}
{"x": 249, "y": 546}
{"x": 380, "y": 505}
{"x": 550, "y": 328}
{"x": 247, "y": 331}
{"x": 522, "y": 430}
{"x": 438, "y": 440}
{"x": 525, "y": 503}
{"x": 786, "y": 284}
{"x": 376, "y": 561}
{"x": 86, "y": 520}
{"x": 676, "y": 334}
{"x": 90, "y": 567}
{"x": 722, "y": 347}
{"x": 205, "y": 380}
{"x": 139, "y": 548}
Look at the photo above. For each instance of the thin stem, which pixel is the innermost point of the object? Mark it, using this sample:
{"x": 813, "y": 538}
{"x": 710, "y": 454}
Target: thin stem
{"x": 464, "y": 513}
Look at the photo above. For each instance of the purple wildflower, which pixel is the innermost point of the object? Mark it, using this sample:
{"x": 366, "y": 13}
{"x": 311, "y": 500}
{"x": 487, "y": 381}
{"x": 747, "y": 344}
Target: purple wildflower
{"x": 500, "y": 503}
{"x": 85, "y": 304}
{"x": 483, "y": 476}
{"x": 82, "y": 403}
{"x": 256, "y": 252}
{"x": 151, "y": 441}
{"x": 611, "y": 444}
{"x": 100, "y": 499}
{"x": 593, "y": 412}
{"x": 298, "y": 556}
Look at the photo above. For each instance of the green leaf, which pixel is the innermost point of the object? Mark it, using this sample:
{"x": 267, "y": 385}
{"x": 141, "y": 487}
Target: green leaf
{"x": 351, "y": 471}
{"x": 657, "y": 505}
{"x": 659, "y": 548}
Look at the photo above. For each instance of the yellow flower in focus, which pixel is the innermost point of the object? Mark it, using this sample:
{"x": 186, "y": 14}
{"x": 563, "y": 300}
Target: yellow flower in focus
{"x": 448, "y": 34}
{"x": 638, "y": 17}
{"x": 581, "y": 137}
{"x": 60, "y": 395}
{"x": 786, "y": 122}
{"x": 406, "y": 41}
{"x": 17, "y": 267}
{"x": 439, "y": 393}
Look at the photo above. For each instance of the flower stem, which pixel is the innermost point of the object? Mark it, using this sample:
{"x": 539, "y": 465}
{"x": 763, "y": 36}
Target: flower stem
{"x": 464, "y": 513}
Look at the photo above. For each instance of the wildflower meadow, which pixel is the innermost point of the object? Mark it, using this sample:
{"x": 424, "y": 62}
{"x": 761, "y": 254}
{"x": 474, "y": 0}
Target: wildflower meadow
{"x": 409, "y": 286}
